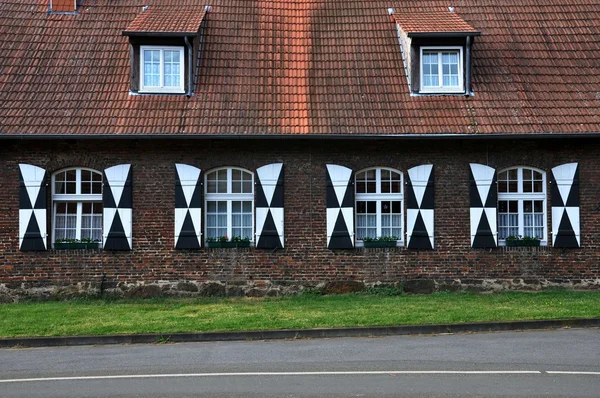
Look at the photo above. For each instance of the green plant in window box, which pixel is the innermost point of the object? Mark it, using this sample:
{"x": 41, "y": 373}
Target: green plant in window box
{"x": 224, "y": 241}
{"x": 522, "y": 241}
{"x": 382, "y": 241}
{"x": 76, "y": 244}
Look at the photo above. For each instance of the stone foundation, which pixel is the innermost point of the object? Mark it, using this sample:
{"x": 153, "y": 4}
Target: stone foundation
{"x": 13, "y": 292}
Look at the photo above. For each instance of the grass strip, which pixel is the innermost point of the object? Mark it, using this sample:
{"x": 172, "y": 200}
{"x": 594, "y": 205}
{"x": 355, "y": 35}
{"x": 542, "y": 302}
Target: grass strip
{"x": 168, "y": 315}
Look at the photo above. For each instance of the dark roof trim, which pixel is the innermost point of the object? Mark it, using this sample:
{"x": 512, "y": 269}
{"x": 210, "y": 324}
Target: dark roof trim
{"x": 301, "y": 136}
{"x": 443, "y": 34}
{"x": 158, "y": 34}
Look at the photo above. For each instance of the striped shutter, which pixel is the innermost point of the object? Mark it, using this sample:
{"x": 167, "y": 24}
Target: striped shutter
{"x": 340, "y": 207}
{"x": 483, "y": 203}
{"x": 117, "y": 201}
{"x": 564, "y": 182}
{"x": 419, "y": 207}
{"x": 269, "y": 206}
{"x": 32, "y": 208}
{"x": 188, "y": 207}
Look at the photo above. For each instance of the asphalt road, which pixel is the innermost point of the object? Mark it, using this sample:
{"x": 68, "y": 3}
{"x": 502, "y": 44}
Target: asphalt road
{"x": 510, "y": 364}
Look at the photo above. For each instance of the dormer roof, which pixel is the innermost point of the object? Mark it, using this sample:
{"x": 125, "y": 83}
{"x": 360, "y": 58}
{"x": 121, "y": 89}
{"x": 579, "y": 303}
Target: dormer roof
{"x": 166, "y": 21}
{"x": 440, "y": 23}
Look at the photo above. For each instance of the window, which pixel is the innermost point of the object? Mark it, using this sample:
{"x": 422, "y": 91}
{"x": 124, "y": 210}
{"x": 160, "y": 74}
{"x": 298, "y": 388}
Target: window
{"x": 522, "y": 203}
{"x": 77, "y": 204}
{"x": 379, "y": 197}
{"x": 441, "y": 70}
{"x": 161, "y": 69}
{"x": 229, "y": 203}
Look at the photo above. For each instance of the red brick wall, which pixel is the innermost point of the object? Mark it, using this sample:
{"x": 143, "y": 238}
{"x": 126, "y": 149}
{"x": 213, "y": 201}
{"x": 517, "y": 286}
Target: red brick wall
{"x": 305, "y": 257}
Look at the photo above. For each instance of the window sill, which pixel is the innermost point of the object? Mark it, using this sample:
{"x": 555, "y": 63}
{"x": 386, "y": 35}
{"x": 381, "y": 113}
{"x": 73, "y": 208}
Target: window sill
{"x": 378, "y": 244}
{"x": 76, "y": 246}
{"x": 178, "y": 91}
{"x": 440, "y": 91}
{"x": 227, "y": 245}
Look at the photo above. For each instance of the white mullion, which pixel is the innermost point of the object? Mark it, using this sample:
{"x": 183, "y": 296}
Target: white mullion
{"x": 378, "y": 203}
{"x": 521, "y": 207}
{"x": 378, "y": 216}
{"x": 440, "y": 70}
{"x": 79, "y": 222}
{"x": 161, "y": 69}
{"x": 229, "y": 219}
{"x": 521, "y": 217}
{"x": 229, "y": 203}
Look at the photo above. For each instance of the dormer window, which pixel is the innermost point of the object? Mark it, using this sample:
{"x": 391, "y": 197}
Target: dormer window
{"x": 165, "y": 49}
{"x": 161, "y": 69}
{"x": 441, "y": 70}
{"x": 436, "y": 51}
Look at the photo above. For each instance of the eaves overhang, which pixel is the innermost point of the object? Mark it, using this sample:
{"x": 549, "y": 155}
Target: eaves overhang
{"x": 157, "y": 34}
{"x": 443, "y": 34}
{"x": 510, "y": 136}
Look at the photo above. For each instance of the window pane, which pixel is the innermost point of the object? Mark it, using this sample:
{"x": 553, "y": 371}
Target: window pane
{"x": 386, "y": 207}
{"x": 172, "y": 68}
{"x": 508, "y": 218}
{"x": 450, "y": 68}
{"x": 247, "y": 207}
{"x": 508, "y": 181}
{"x": 211, "y": 183}
{"x": 151, "y": 59}
{"x": 372, "y": 207}
{"x": 430, "y": 70}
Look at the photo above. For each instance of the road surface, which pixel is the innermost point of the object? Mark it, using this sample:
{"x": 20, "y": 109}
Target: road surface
{"x": 560, "y": 363}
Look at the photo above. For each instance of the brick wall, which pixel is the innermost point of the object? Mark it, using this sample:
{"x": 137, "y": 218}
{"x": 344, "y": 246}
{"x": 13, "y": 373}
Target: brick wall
{"x": 305, "y": 259}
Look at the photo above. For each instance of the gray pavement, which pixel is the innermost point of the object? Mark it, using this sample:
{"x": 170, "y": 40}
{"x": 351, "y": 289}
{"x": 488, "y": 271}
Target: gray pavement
{"x": 190, "y": 369}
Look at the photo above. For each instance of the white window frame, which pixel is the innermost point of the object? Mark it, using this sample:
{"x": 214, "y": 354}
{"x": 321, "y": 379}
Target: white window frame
{"x": 379, "y": 197}
{"x": 441, "y": 88}
{"x": 77, "y": 197}
{"x": 228, "y": 197}
{"x": 521, "y": 196}
{"x": 161, "y": 88}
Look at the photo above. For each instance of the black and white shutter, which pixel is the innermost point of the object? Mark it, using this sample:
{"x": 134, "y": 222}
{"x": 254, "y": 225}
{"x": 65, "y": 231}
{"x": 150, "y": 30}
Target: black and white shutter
{"x": 340, "y": 207}
{"x": 117, "y": 201}
{"x": 484, "y": 203}
{"x": 32, "y": 208}
{"x": 419, "y": 207}
{"x": 269, "y": 206}
{"x": 564, "y": 182}
{"x": 188, "y": 207}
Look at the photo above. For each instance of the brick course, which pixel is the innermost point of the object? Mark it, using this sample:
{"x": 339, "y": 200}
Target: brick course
{"x": 305, "y": 260}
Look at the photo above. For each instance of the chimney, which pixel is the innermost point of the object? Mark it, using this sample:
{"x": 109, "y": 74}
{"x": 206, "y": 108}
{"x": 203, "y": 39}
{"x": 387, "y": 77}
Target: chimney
{"x": 63, "y": 5}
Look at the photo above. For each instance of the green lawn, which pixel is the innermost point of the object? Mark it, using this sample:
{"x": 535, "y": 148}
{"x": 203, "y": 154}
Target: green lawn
{"x": 82, "y": 317}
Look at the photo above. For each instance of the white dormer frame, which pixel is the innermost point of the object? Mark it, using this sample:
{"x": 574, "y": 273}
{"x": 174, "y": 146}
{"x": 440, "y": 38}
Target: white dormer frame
{"x": 161, "y": 88}
{"x": 441, "y": 89}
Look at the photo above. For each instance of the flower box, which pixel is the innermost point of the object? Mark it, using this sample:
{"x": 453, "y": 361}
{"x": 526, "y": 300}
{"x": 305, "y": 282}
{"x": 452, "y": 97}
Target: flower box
{"x": 523, "y": 243}
{"x": 75, "y": 246}
{"x": 228, "y": 244}
{"x": 380, "y": 243}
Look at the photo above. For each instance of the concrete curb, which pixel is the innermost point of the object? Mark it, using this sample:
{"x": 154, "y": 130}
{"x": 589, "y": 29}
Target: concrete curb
{"x": 298, "y": 333}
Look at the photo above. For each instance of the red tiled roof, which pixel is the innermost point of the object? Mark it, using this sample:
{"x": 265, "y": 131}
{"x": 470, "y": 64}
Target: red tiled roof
{"x": 430, "y": 21}
{"x": 298, "y": 67}
{"x": 167, "y": 20}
